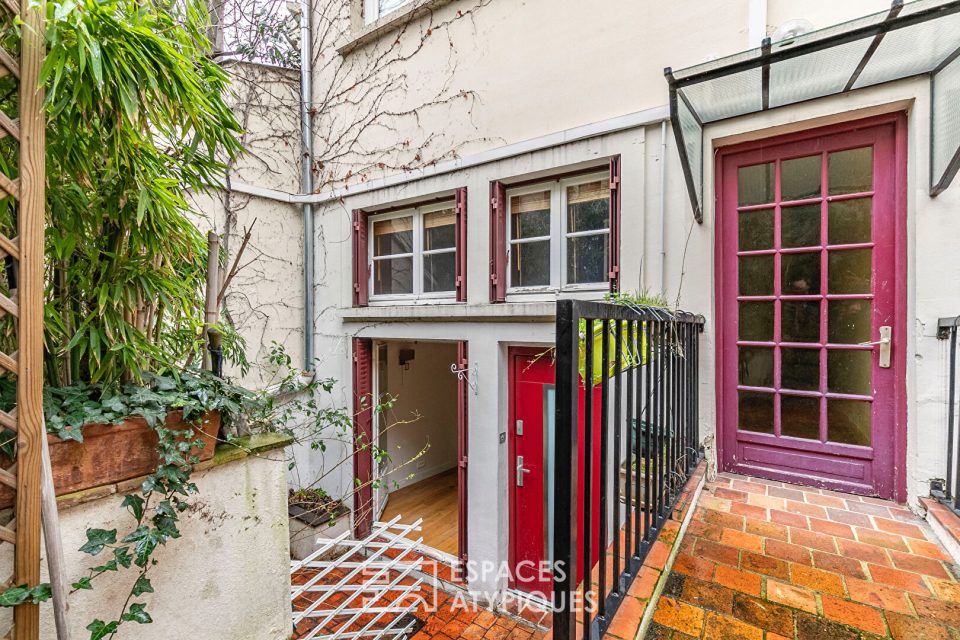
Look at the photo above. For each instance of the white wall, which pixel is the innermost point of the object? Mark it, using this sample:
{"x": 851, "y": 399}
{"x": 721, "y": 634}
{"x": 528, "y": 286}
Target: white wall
{"x": 538, "y": 68}
{"x": 424, "y": 415}
{"x": 226, "y": 577}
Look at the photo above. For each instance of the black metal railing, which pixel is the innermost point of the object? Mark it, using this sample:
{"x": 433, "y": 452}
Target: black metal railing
{"x": 947, "y": 490}
{"x": 648, "y": 444}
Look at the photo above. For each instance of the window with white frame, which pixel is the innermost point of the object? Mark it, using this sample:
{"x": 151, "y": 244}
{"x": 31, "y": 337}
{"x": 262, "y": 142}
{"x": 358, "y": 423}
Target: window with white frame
{"x": 413, "y": 253}
{"x": 559, "y": 234}
{"x": 373, "y": 10}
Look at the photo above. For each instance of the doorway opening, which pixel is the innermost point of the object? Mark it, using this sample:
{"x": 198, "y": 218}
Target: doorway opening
{"x": 421, "y": 429}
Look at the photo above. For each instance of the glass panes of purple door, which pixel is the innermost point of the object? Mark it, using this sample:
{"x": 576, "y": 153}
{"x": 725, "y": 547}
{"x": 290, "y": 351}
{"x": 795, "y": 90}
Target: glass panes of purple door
{"x": 805, "y": 297}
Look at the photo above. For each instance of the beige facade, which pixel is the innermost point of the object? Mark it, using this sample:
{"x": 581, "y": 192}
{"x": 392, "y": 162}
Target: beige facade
{"x": 488, "y": 90}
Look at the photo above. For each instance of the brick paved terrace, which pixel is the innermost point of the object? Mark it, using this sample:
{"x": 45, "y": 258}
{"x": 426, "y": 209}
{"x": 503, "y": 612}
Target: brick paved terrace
{"x": 765, "y": 560}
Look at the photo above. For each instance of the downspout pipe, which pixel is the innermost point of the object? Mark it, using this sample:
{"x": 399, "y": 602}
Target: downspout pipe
{"x": 663, "y": 208}
{"x": 306, "y": 134}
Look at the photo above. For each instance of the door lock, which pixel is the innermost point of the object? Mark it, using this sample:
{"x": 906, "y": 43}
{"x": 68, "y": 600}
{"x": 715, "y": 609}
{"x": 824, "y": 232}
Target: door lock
{"x": 520, "y": 471}
{"x": 886, "y": 338}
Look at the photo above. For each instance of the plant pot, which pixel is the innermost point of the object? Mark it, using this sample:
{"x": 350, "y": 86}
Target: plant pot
{"x": 114, "y": 452}
{"x": 306, "y": 526}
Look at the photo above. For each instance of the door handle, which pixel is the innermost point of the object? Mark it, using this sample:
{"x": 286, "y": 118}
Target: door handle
{"x": 520, "y": 471}
{"x": 885, "y": 341}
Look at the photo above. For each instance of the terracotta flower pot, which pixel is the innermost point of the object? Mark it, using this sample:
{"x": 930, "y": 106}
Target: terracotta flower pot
{"x": 114, "y": 452}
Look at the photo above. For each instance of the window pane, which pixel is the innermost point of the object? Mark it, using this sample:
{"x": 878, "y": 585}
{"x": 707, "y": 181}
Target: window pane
{"x": 530, "y": 215}
{"x": 800, "y": 321}
{"x": 756, "y": 321}
{"x": 530, "y": 264}
{"x": 800, "y": 226}
{"x": 848, "y": 421}
{"x": 756, "y": 230}
{"x": 800, "y": 273}
{"x": 848, "y": 321}
{"x": 756, "y": 412}
{"x": 756, "y": 366}
{"x": 849, "y": 221}
{"x": 850, "y": 171}
{"x": 755, "y": 184}
{"x": 849, "y": 371}
{"x": 393, "y": 276}
{"x": 849, "y": 271}
{"x": 800, "y": 417}
{"x": 756, "y": 275}
{"x": 439, "y": 272}
{"x": 800, "y": 369}
{"x": 386, "y": 6}
{"x": 587, "y": 259}
{"x": 800, "y": 178}
{"x": 439, "y": 230}
{"x": 588, "y": 207}
{"x": 393, "y": 236}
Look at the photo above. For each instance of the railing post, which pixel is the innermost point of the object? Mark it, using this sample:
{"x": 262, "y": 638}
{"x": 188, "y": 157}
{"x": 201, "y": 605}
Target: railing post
{"x": 565, "y": 488}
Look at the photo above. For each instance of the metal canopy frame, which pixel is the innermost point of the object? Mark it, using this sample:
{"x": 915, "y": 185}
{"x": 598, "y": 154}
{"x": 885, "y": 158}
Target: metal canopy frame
{"x": 741, "y": 84}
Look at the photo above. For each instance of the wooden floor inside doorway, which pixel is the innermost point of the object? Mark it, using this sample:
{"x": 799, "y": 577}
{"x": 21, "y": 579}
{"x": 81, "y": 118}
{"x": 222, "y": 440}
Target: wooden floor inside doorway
{"x": 435, "y": 500}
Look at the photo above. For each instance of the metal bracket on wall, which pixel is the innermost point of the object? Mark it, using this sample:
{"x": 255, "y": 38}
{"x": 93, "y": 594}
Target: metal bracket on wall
{"x": 470, "y": 375}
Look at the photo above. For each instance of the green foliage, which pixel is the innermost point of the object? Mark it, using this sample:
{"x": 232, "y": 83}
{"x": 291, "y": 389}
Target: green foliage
{"x": 155, "y": 511}
{"x": 137, "y": 119}
{"x": 195, "y": 392}
{"x": 18, "y": 595}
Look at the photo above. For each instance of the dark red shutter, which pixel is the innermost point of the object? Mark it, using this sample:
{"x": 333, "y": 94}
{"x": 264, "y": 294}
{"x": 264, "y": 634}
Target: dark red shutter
{"x": 463, "y": 390}
{"x": 614, "y": 224}
{"x": 361, "y": 270}
{"x": 363, "y": 404}
{"x": 498, "y": 242}
{"x": 461, "y": 229}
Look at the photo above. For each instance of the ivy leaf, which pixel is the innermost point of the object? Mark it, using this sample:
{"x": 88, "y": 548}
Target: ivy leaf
{"x": 137, "y": 614}
{"x": 123, "y": 557}
{"x": 135, "y": 503}
{"x": 97, "y": 539}
{"x": 18, "y": 595}
{"x": 141, "y": 586}
{"x": 83, "y": 583}
{"x": 99, "y": 629}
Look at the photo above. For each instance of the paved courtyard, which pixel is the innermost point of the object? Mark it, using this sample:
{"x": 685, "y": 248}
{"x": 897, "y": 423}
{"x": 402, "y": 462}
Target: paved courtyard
{"x": 767, "y": 560}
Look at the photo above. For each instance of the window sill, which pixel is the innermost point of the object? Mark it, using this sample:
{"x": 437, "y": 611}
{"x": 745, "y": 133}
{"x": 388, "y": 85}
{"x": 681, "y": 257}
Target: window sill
{"x": 552, "y": 295}
{"x": 501, "y": 312}
{"x": 413, "y": 302}
{"x": 390, "y": 22}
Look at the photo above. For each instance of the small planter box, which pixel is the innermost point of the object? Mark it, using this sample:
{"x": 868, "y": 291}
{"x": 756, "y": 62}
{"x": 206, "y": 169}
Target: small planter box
{"x": 114, "y": 452}
{"x": 306, "y": 526}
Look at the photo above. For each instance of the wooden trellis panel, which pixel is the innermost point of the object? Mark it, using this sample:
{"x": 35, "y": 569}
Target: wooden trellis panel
{"x": 23, "y": 302}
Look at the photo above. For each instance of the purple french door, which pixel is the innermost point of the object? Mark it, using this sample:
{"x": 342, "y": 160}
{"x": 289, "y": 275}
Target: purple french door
{"x": 810, "y": 283}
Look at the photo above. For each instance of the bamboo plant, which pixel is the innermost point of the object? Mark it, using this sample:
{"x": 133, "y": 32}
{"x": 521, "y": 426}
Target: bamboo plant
{"x": 137, "y": 118}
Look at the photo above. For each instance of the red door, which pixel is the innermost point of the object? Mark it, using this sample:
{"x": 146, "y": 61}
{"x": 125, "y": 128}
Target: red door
{"x": 532, "y": 439}
{"x": 810, "y": 294}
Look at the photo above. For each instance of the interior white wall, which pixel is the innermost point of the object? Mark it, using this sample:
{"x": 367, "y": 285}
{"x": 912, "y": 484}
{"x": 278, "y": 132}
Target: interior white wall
{"x": 423, "y": 417}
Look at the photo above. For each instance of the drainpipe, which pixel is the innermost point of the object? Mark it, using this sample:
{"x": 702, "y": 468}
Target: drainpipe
{"x": 663, "y": 208}
{"x": 306, "y": 134}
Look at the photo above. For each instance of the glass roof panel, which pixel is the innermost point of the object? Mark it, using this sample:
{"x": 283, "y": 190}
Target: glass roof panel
{"x": 946, "y": 119}
{"x": 916, "y": 39}
{"x": 693, "y": 144}
{"x": 912, "y": 50}
{"x": 726, "y": 97}
{"x": 814, "y": 75}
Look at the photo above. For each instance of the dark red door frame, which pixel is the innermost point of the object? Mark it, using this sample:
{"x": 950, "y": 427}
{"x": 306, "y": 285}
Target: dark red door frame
{"x": 363, "y": 404}
{"x": 899, "y": 122}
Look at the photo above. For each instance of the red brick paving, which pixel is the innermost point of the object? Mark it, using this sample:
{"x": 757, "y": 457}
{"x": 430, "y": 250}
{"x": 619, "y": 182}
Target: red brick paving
{"x": 446, "y": 616}
{"x": 769, "y": 561}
